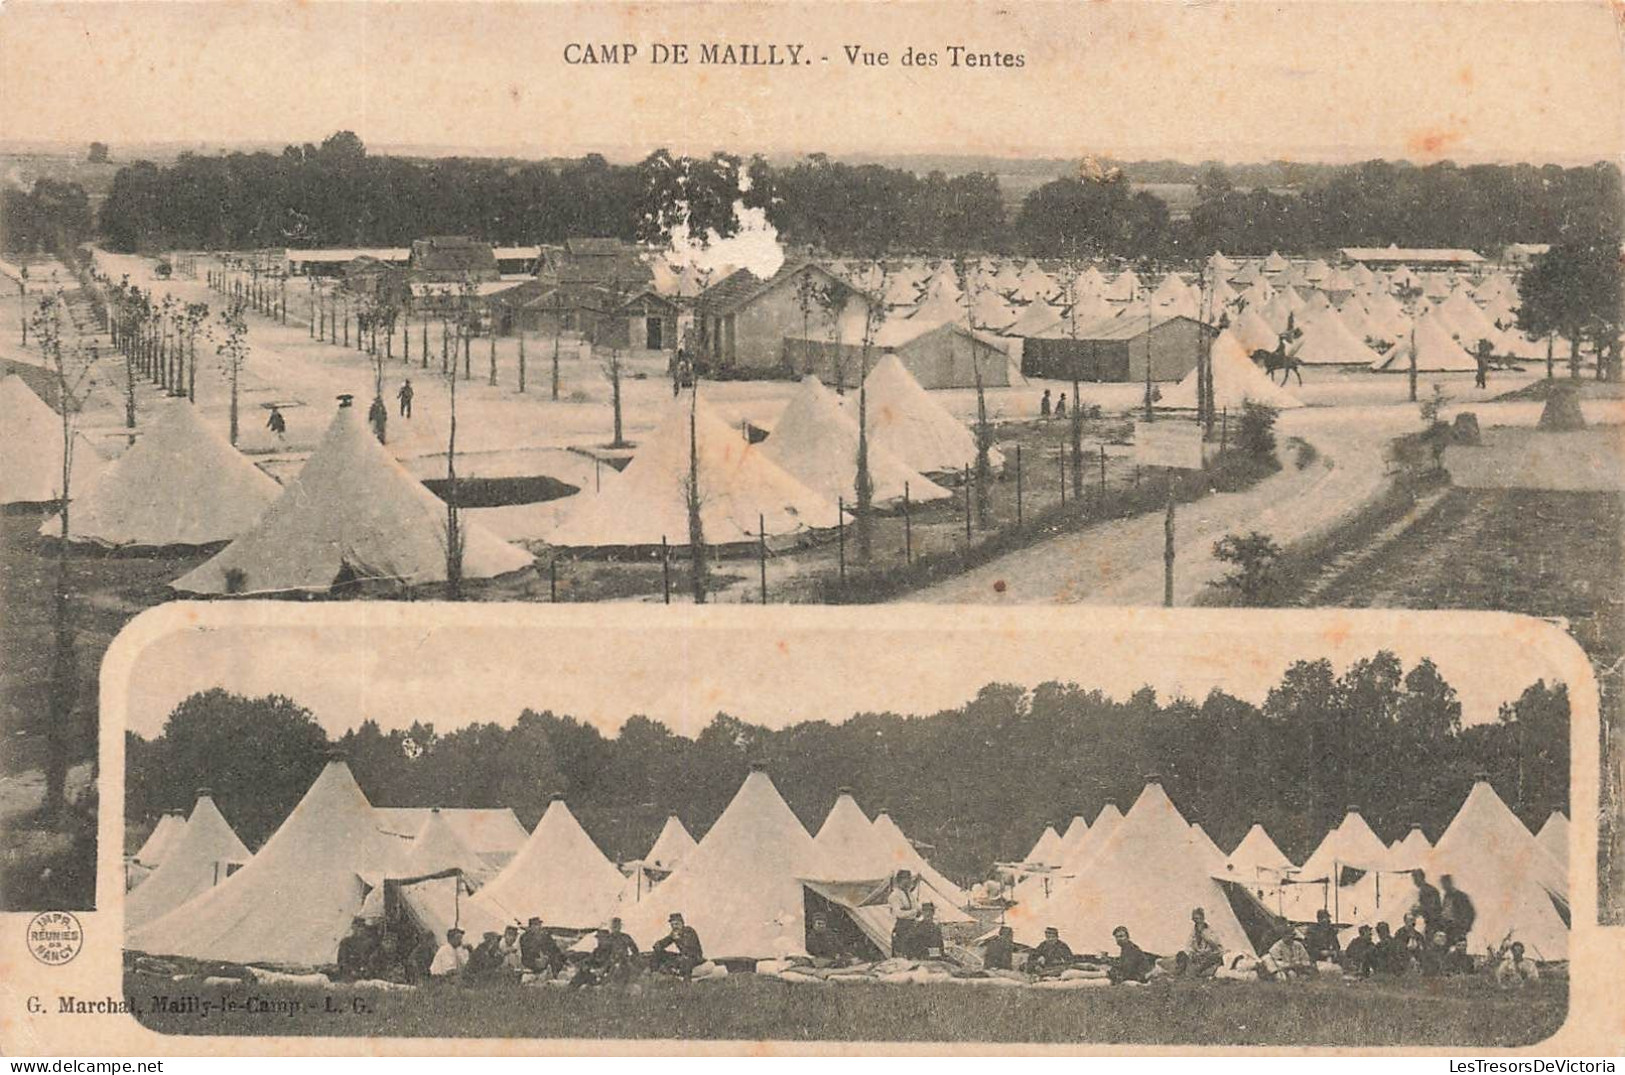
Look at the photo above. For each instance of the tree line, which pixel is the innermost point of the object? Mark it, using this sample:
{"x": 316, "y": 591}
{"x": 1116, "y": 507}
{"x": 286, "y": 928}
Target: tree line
{"x": 976, "y": 783}
{"x": 336, "y": 194}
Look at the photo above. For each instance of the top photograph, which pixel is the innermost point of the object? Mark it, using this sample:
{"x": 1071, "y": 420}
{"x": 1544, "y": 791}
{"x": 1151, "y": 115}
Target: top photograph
{"x": 1219, "y": 305}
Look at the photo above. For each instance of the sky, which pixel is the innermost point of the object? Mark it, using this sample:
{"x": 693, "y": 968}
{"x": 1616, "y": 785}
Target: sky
{"x": 1315, "y": 79}
{"x": 396, "y": 664}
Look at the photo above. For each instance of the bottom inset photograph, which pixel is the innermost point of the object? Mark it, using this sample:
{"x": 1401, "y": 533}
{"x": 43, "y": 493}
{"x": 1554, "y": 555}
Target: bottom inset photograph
{"x": 956, "y": 825}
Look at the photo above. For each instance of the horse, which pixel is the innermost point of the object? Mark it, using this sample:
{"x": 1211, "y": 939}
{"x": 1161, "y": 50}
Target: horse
{"x": 1278, "y": 359}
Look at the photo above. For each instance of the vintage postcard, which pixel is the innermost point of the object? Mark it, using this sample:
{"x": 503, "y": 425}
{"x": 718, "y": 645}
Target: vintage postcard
{"x": 812, "y": 526}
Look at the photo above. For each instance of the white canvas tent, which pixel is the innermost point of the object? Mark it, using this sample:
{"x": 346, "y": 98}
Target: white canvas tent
{"x": 1554, "y": 837}
{"x": 816, "y": 442}
{"x": 160, "y": 839}
{"x": 1435, "y": 351}
{"x": 741, "y": 491}
{"x": 439, "y": 847}
{"x": 906, "y": 857}
{"x": 494, "y": 833}
{"x": 1327, "y": 341}
{"x": 181, "y": 484}
{"x": 1351, "y": 844}
{"x": 1253, "y": 332}
{"x": 740, "y": 888}
{"x": 31, "y": 449}
{"x": 1257, "y": 851}
{"x": 671, "y": 847}
{"x": 294, "y": 901}
{"x": 852, "y": 850}
{"x": 1212, "y": 858}
{"x": 1106, "y": 823}
{"x": 1046, "y": 849}
{"x": 1037, "y": 317}
{"x": 1410, "y": 851}
{"x": 353, "y": 512}
{"x": 198, "y": 859}
{"x": 560, "y": 874}
{"x": 1235, "y": 381}
{"x": 905, "y": 421}
{"x": 1077, "y": 831}
{"x": 1148, "y": 876}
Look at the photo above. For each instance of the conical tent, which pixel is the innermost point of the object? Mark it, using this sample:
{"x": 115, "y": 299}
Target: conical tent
{"x": 1148, "y": 876}
{"x": 1125, "y": 287}
{"x": 1106, "y": 823}
{"x": 1249, "y": 276}
{"x": 1315, "y": 302}
{"x": 1091, "y": 283}
{"x": 1038, "y": 315}
{"x": 181, "y": 484}
{"x": 1045, "y": 849}
{"x": 1235, "y": 381}
{"x": 31, "y": 450}
{"x": 438, "y": 847}
{"x": 816, "y": 442}
{"x": 1256, "y": 852}
{"x": 1212, "y": 858}
{"x": 1327, "y": 341}
{"x": 1435, "y": 351}
{"x": 1275, "y": 262}
{"x": 1554, "y": 837}
{"x": 904, "y": 856}
{"x": 1253, "y": 332}
{"x": 1468, "y": 324}
{"x": 905, "y": 421}
{"x": 852, "y": 849}
{"x": 740, "y": 888}
{"x": 1277, "y": 313}
{"x": 162, "y": 837}
{"x": 741, "y": 491}
{"x": 989, "y": 312}
{"x": 1352, "y": 844}
{"x": 1410, "y": 851}
{"x": 671, "y": 846}
{"x": 1509, "y": 877}
{"x": 193, "y": 864}
{"x": 1077, "y": 831}
{"x": 354, "y": 512}
{"x": 1219, "y": 264}
{"x": 560, "y": 874}
{"x": 294, "y": 901}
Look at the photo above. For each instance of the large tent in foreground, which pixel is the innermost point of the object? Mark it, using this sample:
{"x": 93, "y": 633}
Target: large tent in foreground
{"x": 740, "y": 888}
{"x": 905, "y": 421}
{"x": 201, "y": 857}
{"x": 560, "y": 874}
{"x": 816, "y": 442}
{"x": 181, "y": 484}
{"x": 1148, "y": 876}
{"x": 353, "y": 514}
{"x": 31, "y": 449}
{"x": 294, "y": 901}
{"x": 742, "y": 492}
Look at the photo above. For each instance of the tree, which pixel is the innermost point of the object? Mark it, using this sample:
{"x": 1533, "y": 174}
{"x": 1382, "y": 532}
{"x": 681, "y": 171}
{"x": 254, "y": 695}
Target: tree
{"x": 232, "y": 347}
{"x": 1255, "y": 431}
{"x": 694, "y": 498}
{"x": 1577, "y": 289}
{"x": 874, "y": 315}
{"x": 1253, "y": 557}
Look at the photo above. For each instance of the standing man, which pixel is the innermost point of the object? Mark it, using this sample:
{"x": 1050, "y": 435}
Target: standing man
{"x": 1043, "y": 406}
{"x": 1428, "y": 902}
{"x": 276, "y": 423}
{"x": 904, "y": 904}
{"x": 405, "y": 397}
{"x": 1459, "y": 913}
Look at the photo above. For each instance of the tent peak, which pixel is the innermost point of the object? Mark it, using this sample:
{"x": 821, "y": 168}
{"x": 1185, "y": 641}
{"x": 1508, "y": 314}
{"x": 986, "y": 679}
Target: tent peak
{"x": 556, "y": 797}
{"x": 758, "y": 766}
{"x": 205, "y": 792}
{"x": 336, "y": 754}
{"x": 843, "y": 790}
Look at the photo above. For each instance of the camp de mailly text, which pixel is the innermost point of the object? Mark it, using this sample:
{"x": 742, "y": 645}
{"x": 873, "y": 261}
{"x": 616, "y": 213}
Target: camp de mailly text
{"x": 784, "y": 54}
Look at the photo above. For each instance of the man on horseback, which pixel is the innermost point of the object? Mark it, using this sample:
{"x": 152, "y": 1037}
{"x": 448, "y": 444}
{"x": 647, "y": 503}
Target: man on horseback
{"x": 1278, "y": 359}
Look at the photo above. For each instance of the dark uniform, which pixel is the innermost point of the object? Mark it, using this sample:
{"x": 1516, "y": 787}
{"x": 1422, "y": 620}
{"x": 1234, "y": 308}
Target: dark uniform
{"x": 1431, "y": 907}
{"x": 357, "y": 952}
{"x": 1360, "y": 958}
{"x": 1050, "y": 958}
{"x": 1000, "y": 952}
{"x": 1133, "y": 964}
{"x": 1459, "y": 915}
{"x": 1321, "y": 941}
{"x": 539, "y": 952}
{"x": 825, "y": 946}
{"x": 925, "y": 940}
{"x": 679, "y": 952}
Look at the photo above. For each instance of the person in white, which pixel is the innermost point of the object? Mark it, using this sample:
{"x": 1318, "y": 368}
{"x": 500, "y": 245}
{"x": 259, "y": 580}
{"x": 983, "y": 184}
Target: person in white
{"x": 1516, "y": 969}
{"x": 509, "y": 948}
{"x": 904, "y": 904}
{"x": 451, "y": 957}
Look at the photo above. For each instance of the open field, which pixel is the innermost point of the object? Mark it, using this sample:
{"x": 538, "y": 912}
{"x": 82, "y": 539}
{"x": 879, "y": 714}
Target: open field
{"x": 751, "y": 1008}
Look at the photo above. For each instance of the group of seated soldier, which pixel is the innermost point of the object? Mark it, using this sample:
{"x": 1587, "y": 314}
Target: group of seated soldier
{"x": 373, "y": 951}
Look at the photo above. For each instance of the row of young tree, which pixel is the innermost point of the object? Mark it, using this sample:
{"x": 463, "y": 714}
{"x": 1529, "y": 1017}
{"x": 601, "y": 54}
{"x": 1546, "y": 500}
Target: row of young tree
{"x": 977, "y": 782}
{"x": 336, "y": 194}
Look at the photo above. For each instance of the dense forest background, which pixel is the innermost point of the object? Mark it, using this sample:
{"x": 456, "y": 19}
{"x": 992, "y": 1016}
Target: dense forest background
{"x": 337, "y": 194}
{"x": 975, "y": 784}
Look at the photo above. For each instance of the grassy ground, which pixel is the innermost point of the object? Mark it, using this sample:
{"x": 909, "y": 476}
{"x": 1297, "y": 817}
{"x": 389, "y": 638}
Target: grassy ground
{"x": 1467, "y": 1012}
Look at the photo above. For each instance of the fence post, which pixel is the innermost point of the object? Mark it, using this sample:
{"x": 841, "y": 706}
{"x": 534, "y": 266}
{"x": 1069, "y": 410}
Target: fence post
{"x": 1018, "y": 485}
{"x": 1168, "y": 549}
{"x": 840, "y": 536}
{"x": 665, "y": 569}
{"x": 967, "y": 505}
{"x": 1224, "y": 428}
{"x": 553, "y": 579}
{"x": 1063, "y": 477}
{"x": 908, "y": 529}
{"x": 1102, "y": 472}
{"x": 761, "y": 544}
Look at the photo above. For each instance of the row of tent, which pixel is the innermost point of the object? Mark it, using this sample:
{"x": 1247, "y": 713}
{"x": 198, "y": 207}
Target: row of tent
{"x": 744, "y": 886}
{"x": 354, "y": 512}
{"x": 1147, "y": 869}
